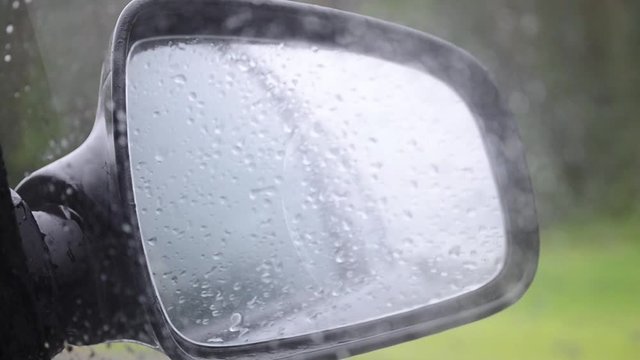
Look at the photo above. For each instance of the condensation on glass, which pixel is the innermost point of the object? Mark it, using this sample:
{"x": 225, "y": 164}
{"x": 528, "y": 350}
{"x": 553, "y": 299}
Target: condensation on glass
{"x": 283, "y": 189}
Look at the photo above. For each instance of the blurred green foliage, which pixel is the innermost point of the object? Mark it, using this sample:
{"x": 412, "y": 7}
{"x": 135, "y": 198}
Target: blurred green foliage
{"x": 51, "y": 54}
{"x": 583, "y": 305}
{"x": 27, "y": 124}
{"x": 567, "y": 69}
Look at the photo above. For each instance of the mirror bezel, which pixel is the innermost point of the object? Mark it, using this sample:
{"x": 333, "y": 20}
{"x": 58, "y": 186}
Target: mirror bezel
{"x": 286, "y": 21}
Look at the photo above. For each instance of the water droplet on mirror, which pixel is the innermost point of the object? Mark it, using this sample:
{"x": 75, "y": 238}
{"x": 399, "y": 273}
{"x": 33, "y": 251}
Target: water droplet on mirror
{"x": 229, "y": 80}
{"x": 159, "y": 158}
{"x": 236, "y": 321}
{"x": 408, "y": 214}
{"x": 243, "y": 67}
{"x": 252, "y": 303}
{"x": 152, "y": 241}
{"x": 317, "y": 130}
{"x": 9, "y": 29}
{"x": 206, "y": 293}
{"x": 7, "y": 58}
{"x": 455, "y": 251}
{"x": 180, "y": 79}
{"x": 266, "y": 278}
{"x": 126, "y": 228}
{"x": 215, "y": 340}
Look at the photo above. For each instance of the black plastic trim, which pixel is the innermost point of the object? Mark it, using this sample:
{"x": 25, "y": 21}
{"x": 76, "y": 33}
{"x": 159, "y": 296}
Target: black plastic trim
{"x": 29, "y": 323}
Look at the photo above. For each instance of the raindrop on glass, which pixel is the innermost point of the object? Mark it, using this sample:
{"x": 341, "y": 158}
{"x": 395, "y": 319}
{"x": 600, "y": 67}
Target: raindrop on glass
{"x": 236, "y": 320}
{"x": 180, "y": 79}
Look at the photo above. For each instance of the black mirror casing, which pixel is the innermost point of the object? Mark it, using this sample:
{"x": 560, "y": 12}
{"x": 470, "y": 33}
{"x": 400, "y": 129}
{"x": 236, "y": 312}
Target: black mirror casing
{"x": 116, "y": 292}
{"x": 283, "y": 21}
{"x": 27, "y": 292}
{"x": 76, "y": 204}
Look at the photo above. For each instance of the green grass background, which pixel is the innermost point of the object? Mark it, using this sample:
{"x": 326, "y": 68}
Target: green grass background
{"x": 584, "y": 304}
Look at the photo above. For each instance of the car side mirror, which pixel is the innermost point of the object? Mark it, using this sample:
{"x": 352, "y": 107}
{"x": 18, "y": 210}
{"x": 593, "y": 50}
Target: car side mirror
{"x": 274, "y": 179}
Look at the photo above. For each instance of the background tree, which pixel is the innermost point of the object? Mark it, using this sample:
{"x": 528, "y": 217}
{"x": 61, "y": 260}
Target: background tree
{"x": 26, "y": 121}
{"x": 566, "y": 69}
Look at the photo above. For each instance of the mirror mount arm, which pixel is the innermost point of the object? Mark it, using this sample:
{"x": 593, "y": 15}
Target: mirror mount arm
{"x": 25, "y": 278}
{"x": 39, "y": 276}
{"x": 72, "y": 204}
{"x": 60, "y": 273}
{"x": 58, "y": 261}
{"x": 73, "y": 279}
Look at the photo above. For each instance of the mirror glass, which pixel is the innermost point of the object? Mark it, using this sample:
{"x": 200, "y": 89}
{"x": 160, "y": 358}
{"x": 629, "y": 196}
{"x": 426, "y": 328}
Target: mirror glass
{"x": 286, "y": 189}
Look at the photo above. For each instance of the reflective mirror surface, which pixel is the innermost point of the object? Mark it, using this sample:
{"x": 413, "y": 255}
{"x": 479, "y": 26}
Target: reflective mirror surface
{"x": 284, "y": 189}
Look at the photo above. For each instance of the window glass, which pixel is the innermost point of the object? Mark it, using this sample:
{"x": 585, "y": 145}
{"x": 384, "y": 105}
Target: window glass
{"x": 567, "y": 69}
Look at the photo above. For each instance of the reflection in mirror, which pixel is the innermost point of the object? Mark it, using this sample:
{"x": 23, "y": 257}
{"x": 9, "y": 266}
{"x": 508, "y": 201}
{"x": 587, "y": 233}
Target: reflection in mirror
{"x": 283, "y": 189}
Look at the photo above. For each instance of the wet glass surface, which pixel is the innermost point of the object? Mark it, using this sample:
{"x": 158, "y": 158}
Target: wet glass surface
{"x": 283, "y": 189}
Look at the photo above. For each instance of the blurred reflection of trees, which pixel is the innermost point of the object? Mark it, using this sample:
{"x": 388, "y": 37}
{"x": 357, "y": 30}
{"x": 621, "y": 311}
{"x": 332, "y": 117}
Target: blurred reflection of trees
{"x": 566, "y": 69}
{"x": 26, "y": 121}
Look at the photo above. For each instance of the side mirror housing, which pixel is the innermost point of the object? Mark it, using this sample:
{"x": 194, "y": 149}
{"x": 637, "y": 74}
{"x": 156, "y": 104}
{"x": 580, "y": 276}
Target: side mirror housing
{"x": 271, "y": 179}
